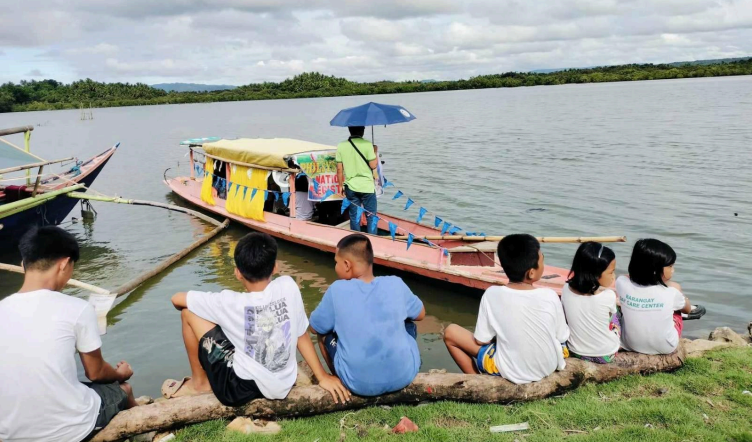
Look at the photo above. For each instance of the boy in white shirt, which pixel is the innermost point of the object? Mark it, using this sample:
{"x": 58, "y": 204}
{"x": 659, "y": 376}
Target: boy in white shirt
{"x": 265, "y": 324}
{"x": 520, "y": 328}
{"x": 41, "y": 398}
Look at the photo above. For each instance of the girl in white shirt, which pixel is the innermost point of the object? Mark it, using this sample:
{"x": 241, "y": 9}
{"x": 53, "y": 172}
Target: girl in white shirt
{"x": 651, "y": 304}
{"x": 590, "y": 306}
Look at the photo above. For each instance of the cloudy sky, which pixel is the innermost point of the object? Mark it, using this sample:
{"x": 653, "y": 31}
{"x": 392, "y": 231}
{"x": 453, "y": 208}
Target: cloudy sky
{"x": 243, "y": 41}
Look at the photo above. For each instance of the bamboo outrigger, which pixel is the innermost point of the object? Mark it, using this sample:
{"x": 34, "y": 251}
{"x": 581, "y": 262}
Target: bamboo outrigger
{"x": 445, "y": 258}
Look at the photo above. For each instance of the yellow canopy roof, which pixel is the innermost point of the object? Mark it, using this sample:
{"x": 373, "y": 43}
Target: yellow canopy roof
{"x": 268, "y": 152}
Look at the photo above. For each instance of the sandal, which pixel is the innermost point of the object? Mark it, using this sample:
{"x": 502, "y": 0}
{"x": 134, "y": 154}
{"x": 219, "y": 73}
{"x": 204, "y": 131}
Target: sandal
{"x": 172, "y": 388}
{"x": 697, "y": 312}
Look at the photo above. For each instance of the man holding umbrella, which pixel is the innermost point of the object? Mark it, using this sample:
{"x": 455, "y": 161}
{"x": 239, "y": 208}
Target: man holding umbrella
{"x": 356, "y": 165}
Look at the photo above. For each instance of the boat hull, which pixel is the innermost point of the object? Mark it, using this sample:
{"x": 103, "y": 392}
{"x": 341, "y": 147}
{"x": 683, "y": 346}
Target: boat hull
{"x": 420, "y": 259}
{"x": 54, "y": 211}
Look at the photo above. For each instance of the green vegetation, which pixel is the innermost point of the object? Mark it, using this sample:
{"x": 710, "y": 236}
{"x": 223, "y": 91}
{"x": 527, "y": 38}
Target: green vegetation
{"x": 702, "y": 401}
{"x": 51, "y": 94}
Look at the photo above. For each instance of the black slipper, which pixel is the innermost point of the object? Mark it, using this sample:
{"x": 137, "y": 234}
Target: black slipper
{"x": 697, "y": 312}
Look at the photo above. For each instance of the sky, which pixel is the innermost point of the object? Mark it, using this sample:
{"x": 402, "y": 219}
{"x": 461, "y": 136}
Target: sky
{"x": 244, "y": 41}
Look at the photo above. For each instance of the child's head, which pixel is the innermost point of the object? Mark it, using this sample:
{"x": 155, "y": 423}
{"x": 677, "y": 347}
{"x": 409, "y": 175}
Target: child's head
{"x": 521, "y": 258}
{"x": 593, "y": 266}
{"x": 354, "y": 256}
{"x": 255, "y": 257}
{"x": 652, "y": 262}
{"x": 49, "y": 252}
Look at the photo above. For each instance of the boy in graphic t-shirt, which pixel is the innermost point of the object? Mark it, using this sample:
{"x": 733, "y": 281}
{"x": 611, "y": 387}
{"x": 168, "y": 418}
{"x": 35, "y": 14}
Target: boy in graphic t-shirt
{"x": 41, "y": 329}
{"x": 520, "y": 328}
{"x": 242, "y": 345}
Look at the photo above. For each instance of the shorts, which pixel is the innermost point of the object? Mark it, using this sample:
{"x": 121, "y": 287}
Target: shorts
{"x": 216, "y": 355}
{"x": 113, "y": 401}
{"x": 330, "y": 339}
{"x": 487, "y": 365}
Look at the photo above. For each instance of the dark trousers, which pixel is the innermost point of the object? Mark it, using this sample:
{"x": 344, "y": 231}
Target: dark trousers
{"x": 366, "y": 201}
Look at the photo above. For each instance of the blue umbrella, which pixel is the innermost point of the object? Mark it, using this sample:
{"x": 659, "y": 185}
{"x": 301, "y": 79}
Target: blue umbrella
{"x": 372, "y": 114}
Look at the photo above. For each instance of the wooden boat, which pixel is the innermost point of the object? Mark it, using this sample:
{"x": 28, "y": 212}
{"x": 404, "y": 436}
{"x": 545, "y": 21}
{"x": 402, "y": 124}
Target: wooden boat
{"x": 43, "y": 202}
{"x": 455, "y": 261}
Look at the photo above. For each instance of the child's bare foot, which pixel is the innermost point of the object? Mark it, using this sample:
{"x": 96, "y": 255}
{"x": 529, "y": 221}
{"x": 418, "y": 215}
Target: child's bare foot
{"x": 185, "y": 387}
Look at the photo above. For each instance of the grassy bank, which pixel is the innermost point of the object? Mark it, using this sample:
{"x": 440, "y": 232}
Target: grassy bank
{"x": 703, "y": 401}
{"x": 51, "y": 94}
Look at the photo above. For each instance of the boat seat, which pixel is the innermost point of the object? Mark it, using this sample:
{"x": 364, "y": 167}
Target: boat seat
{"x": 476, "y": 254}
{"x": 474, "y": 247}
{"x": 344, "y": 225}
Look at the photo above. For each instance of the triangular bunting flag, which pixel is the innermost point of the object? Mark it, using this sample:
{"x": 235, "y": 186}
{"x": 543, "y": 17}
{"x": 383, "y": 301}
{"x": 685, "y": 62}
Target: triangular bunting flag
{"x": 397, "y": 195}
{"x": 253, "y": 193}
{"x": 286, "y": 197}
{"x": 408, "y": 203}
{"x": 445, "y": 227}
{"x": 266, "y": 195}
{"x": 359, "y": 214}
{"x": 446, "y": 252}
{"x": 454, "y": 230}
{"x": 237, "y": 187}
{"x": 392, "y": 229}
{"x": 421, "y": 213}
{"x": 410, "y": 238}
{"x": 345, "y": 203}
{"x": 276, "y": 195}
{"x": 327, "y": 194}
{"x": 315, "y": 186}
{"x": 437, "y": 221}
{"x": 387, "y": 183}
{"x": 245, "y": 191}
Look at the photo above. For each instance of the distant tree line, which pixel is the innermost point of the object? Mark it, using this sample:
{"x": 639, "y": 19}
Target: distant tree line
{"x": 51, "y": 94}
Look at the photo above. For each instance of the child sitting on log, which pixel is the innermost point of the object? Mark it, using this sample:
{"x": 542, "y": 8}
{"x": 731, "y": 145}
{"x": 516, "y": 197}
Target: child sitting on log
{"x": 41, "y": 398}
{"x": 651, "y": 304}
{"x": 265, "y": 324}
{"x": 520, "y": 328}
{"x": 365, "y": 324}
{"x": 590, "y": 305}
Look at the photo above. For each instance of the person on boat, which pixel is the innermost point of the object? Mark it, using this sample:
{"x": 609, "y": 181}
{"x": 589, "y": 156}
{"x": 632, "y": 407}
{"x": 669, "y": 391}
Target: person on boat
{"x": 365, "y": 324}
{"x": 219, "y": 183}
{"x": 521, "y": 329}
{"x": 303, "y": 207}
{"x": 590, "y": 304}
{"x": 356, "y": 165}
{"x": 41, "y": 329}
{"x": 265, "y": 323}
{"x": 651, "y": 303}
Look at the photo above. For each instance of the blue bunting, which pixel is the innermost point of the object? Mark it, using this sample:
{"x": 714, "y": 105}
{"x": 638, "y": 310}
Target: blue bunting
{"x": 237, "y": 188}
{"x": 345, "y": 203}
{"x": 409, "y": 203}
{"x": 421, "y": 213}
{"x": 446, "y": 252}
{"x": 286, "y": 197}
{"x": 437, "y": 221}
{"x": 359, "y": 214}
{"x": 445, "y": 227}
{"x": 454, "y": 230}
{"x": 387, "y": 183}
{"x": 392, "y": 229}
{"x": 253, "y": 193}
{"x": 327, "y": 194}
{"x": 266, "y": 195}
{"x": 276, "y": 196}
{"x": 410, "y": 238}
{"x": 397, "y": 195}
{"x": 315, "y": 186}
{"x": 245, "y": 191}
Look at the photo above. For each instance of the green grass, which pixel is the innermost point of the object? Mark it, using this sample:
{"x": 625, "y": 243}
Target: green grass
{"x": 702, "y": 401}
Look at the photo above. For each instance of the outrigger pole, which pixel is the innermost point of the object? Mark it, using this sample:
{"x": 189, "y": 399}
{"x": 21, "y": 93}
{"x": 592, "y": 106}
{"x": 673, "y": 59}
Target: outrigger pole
{"x": 548, "y": 239}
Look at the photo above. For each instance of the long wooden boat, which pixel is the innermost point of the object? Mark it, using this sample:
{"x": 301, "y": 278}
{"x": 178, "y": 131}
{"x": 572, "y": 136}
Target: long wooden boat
{"x": 470, "y": 264}
{"x": 41, "y": 201}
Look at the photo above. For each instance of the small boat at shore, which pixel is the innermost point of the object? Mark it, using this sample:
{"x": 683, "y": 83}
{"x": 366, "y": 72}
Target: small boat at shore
{"x": 40, "y": 199}
{"x": 244, "y": 179}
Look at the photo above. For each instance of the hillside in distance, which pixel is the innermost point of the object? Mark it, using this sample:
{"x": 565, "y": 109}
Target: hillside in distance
{"x": 192, "y": 87}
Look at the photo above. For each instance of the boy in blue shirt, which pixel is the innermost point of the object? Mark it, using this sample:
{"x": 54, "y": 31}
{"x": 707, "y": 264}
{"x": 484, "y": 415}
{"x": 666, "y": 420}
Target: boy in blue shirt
{"x": 365, "y": 324}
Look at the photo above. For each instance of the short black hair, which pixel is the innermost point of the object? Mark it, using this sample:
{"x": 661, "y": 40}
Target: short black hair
{"x": 358, "y": 246}
{"x": 255, "y": 256}
{"x": 590, "y": 261}
{"x": 518, "y": 253}
{"x": 41, "y": 247}
{"x": 357, "y": 131}
{"x": 649, "y": 257}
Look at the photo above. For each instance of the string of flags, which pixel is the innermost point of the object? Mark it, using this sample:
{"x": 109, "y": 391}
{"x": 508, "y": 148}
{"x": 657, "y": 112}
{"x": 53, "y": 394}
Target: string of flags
{"x": 446, "y": 227}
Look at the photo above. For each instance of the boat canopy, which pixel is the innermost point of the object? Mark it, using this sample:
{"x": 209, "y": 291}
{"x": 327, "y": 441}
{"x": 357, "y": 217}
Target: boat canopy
{"x": 12, "y": 157}
{"x": 266, "y": 152}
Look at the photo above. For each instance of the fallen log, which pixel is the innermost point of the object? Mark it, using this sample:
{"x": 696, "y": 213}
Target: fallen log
{"x": 309, "y": 400}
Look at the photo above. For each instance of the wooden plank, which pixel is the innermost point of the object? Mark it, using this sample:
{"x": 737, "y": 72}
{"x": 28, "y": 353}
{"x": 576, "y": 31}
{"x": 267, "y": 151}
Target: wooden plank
{"x": 16, "y": 130}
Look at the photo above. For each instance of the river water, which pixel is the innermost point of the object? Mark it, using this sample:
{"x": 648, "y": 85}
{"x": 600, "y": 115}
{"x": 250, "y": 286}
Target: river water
{"x": 667, "y": 159}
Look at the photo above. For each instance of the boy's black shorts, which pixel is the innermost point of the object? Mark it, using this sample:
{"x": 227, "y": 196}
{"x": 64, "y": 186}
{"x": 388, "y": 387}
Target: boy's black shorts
{"x": 216, "y": 354}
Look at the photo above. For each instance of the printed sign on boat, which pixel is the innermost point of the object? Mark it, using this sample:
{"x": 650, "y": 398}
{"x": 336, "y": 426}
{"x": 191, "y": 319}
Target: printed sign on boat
{"x": 320, "y": 167}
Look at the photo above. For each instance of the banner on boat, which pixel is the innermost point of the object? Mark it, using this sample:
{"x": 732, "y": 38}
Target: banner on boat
{"x": 321, "y": 169}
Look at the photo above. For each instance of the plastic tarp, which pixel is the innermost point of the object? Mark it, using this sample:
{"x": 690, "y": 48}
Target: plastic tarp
{"x": 12, "y": 157}
{"x": 266, "y": 152}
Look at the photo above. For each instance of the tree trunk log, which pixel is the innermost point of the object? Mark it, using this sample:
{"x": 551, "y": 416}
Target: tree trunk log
{"x": 311, "y": 400}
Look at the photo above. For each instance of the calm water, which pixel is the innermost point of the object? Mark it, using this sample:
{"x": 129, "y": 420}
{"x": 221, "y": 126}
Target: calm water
{"x": 667, "y": 159}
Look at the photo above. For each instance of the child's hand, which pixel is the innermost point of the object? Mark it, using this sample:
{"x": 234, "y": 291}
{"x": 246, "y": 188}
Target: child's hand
{"x": 334, "y": 386}
{"x": 124, "y": 370}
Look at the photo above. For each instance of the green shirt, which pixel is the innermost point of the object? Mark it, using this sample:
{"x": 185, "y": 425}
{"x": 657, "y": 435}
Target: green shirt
{"x": 358, "y": 174}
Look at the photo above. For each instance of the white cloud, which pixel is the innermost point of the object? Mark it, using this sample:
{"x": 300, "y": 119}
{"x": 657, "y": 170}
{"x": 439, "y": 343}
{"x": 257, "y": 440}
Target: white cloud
{"x": 242, "y": 41}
